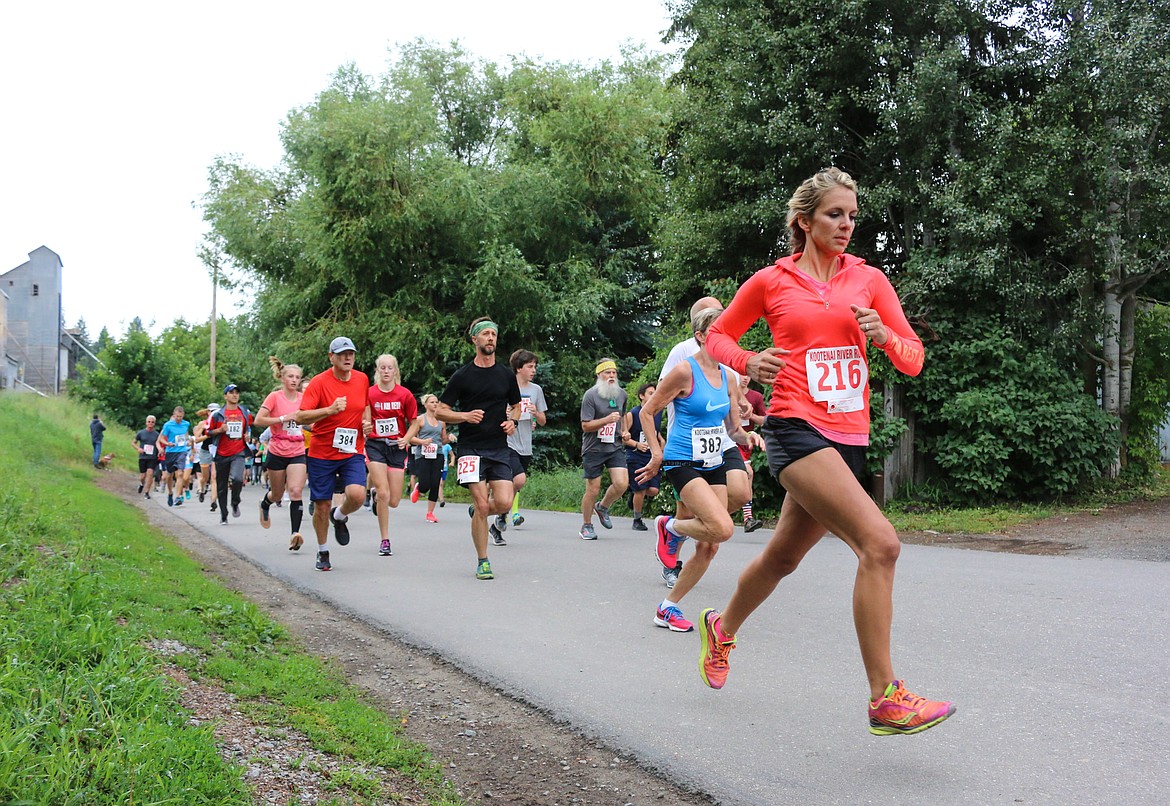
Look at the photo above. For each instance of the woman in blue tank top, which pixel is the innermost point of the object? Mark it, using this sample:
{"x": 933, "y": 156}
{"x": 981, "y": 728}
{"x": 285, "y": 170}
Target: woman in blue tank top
{"x": 693, "y": 454}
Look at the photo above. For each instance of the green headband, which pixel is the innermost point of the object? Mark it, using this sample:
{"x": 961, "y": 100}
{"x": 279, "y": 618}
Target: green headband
{"x": 480, "y": 327}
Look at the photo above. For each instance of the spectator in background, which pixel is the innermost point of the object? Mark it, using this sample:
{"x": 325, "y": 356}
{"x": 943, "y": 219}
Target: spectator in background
{"x": 96, "y": 430}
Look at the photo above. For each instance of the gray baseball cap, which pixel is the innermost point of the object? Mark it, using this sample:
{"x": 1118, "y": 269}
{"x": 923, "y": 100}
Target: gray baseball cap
{"x": 341, "y": 344}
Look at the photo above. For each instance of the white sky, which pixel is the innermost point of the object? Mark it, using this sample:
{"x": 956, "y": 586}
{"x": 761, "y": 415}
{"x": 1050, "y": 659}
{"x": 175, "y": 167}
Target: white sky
{"x": 113, "y": 113}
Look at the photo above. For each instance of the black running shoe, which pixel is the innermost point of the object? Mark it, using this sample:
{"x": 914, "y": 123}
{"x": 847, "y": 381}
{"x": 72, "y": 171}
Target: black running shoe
{"x": 140, "y": 489}
{"x": 202, "y": 493}
{"x": 214, "y": 506}
{"x": 236, "y": 509}
{"x": 323, "y": 561}
{"x": 340, "y": 530}
{"x": 497, "y": 538}
{"x": 502, "y": 523}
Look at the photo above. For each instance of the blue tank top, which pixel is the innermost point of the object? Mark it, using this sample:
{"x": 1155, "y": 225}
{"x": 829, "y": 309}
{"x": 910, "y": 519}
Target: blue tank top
{"x": 697, "y": 417}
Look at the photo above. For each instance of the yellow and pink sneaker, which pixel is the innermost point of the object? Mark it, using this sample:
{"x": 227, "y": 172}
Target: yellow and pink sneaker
{"x": 901, "y": 712}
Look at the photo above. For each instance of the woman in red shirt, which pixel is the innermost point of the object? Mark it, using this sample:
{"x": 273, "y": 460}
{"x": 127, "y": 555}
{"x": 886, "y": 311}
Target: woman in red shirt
{"x": 390, "y": 410}
{"x": 822, "y": 306}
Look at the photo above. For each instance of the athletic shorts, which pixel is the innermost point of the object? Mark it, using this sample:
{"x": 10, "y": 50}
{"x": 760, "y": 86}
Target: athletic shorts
{"x": 278, "y": 463}
{"x": 145, "y": 462}
{"x": 733, "y": 460}
{"x": 520, "y": 462}
{"x": 196, "y": 468}
{"x": 594, "y": 461}
{"x": 789, "y": 439}
{"x": 175, "y": 462}
{"x": 495, "y": 464}
{"x": 635, "y": 461}
{"x": 683, "y": 475}
{"x": 326, "y": 475}
{"x": 205, "y": 457}
{"x": 386, "y": 453}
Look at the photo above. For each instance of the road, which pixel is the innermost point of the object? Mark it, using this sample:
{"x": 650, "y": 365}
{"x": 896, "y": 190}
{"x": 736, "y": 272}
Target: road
{"x": 1058, "y": 665}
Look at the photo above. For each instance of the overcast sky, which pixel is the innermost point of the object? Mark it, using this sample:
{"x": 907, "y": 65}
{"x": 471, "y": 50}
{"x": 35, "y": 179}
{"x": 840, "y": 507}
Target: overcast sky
{"x": 114, "y": 111}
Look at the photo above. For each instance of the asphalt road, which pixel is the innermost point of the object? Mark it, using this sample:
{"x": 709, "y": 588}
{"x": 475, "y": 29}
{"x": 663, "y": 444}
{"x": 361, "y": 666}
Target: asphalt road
{"x": 1058, "y": 665}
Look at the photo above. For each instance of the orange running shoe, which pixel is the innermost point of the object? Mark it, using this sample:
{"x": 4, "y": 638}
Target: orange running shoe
{"x": 899, "y": 712}
{"x": 717, "y": 646}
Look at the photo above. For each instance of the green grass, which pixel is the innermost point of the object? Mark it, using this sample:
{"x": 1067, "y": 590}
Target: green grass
{"x": 87, "y": 715}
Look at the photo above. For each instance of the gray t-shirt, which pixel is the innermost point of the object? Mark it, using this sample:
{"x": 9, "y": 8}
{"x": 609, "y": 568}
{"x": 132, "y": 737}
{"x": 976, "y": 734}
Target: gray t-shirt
{"x": 531, "y": 401}
{"x": 594, "y": 407}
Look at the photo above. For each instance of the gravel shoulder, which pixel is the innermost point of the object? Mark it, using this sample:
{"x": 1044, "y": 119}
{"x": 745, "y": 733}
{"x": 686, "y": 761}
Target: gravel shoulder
{"x": 1133, "y": 531}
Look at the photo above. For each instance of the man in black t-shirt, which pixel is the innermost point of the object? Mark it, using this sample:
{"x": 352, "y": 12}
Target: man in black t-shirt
{"x": 488, "y": 398}
{"x": 146, "y": 443}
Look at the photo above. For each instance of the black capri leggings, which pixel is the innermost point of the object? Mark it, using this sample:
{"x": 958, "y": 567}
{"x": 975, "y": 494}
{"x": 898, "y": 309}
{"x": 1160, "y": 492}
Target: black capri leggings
{"x": 430, "y": 476}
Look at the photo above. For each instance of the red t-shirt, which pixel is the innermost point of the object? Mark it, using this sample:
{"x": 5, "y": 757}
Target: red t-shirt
{"x": 327, "y": 443}
{"x": 393, "y": 412}
{"x": 231, "y": 442}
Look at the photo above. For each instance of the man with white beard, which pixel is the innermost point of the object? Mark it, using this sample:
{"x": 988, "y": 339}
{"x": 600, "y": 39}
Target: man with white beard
{"x": 602, "y": 409}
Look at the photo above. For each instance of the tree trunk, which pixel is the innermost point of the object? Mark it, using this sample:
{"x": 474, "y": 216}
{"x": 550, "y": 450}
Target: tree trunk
{"x": 1111, "y": 353}
{"x": 1125, "y": 376}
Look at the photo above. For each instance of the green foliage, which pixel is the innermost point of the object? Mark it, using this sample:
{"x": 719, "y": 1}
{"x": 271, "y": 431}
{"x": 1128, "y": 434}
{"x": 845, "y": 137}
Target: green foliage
{"x": 142, "y": 375}
{"x": 453, "y": 189}
{"x": 1002, "y": 420}
{"x": 1149, "y": 406}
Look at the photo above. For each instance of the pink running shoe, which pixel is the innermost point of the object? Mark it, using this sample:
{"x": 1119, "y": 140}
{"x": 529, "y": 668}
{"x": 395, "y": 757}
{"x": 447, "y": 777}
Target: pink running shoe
{"x": 666, "y": 543}
{"x": 901, "y": 712}
{"x": 431, "y": 518}
{"x": 414, "y": 494}
{"x": 713, "y": 666}
{"x": 672, "y": 618}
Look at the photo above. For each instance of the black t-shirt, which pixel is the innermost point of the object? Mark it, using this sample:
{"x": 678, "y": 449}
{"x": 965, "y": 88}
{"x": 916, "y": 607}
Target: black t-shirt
{"x": 492, "y": 389}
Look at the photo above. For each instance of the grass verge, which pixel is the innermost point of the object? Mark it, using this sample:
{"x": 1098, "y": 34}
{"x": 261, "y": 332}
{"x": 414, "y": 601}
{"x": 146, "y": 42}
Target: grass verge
{"x": 87, "y": 588}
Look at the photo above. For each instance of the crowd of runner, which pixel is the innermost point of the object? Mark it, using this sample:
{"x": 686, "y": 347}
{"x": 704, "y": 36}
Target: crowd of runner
{"x": 352, "y": 442}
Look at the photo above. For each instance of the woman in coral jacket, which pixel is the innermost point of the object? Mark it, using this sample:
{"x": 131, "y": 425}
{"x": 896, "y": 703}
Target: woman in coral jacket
{"x": 823, "y": 306}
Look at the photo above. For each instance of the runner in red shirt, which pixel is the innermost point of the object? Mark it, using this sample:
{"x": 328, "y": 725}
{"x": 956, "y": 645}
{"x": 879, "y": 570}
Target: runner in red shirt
{"x": 751, "y": 418}
{"x": 333, "y": 404}
{"x": 822, "y": 306}
{"x": 389, "y": 413}
{"x": 229, "y": 428}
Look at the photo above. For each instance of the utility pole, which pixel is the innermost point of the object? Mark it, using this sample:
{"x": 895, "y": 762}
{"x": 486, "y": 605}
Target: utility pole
{"x": 210, "y": 255}
{"x": 214, "y": 316}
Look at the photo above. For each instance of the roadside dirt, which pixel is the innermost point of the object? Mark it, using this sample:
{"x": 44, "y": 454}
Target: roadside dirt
{"x": 1133, "y": 531}
{"x": 495, "y": 749}
{"x": 492, "y": 748}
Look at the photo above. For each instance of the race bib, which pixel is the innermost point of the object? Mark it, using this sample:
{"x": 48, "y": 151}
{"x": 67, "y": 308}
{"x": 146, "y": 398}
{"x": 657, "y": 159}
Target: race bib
{"x": 345, "y": 440}
{"x": 148, "y": 449}
{"x": 430, "y": 450}
{"x": 467, "y": 469}
{"x": 707, "y": 445}
{"x": 181, "y": 441}
{"x": 527, "y": 407}
{"x": 293, "y": 429}
{"x": 386, "y": 428}
{"x": 837, "y": 377}
{"x": 606, "y": 432}
{"x": 235, "y": 429}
